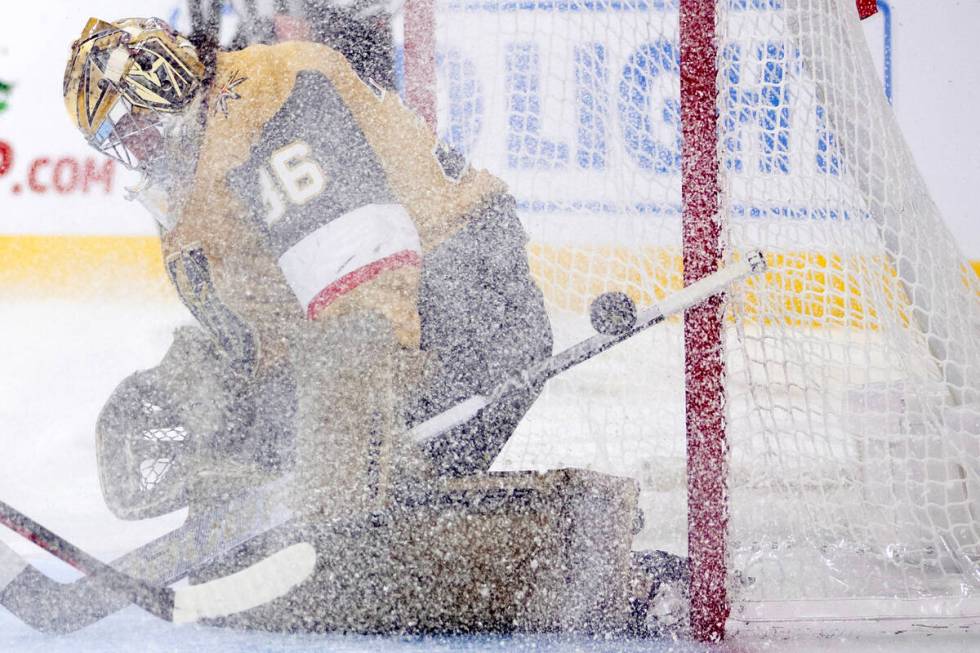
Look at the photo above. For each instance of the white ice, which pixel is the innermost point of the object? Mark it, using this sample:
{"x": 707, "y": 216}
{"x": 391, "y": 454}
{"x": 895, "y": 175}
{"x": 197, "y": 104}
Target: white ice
{"x": 61, "y": 360}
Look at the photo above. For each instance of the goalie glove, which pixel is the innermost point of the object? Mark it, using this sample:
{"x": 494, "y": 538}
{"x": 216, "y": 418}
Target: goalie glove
{"x": 192, "y": 414}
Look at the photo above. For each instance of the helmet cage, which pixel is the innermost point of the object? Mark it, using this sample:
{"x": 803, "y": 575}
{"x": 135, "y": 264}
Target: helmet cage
{"x": 129, "y": 134}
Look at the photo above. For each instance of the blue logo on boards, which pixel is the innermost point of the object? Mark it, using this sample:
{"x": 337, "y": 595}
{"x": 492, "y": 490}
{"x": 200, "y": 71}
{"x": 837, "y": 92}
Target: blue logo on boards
{"x": 759, "y": 100}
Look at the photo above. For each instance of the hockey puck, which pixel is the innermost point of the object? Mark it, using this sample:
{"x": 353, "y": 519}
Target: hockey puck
{"x": 613, "y": 313}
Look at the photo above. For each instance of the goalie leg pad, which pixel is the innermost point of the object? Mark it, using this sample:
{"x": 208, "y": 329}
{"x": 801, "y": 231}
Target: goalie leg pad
{"x": 350, "y": 373}
{"x": 500, "y": 552}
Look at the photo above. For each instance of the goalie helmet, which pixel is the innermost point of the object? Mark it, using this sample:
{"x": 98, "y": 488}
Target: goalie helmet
{"x": 125, "y": 81}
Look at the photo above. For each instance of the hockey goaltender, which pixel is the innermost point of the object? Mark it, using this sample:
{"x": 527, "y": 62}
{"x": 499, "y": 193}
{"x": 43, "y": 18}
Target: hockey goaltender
{"x": 350, "y": 278}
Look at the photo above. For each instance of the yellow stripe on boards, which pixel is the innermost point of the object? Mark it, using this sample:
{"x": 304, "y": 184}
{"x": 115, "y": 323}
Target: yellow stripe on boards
{"x": 571, "y": 277}
{"x": 59, "y": 267}
{"x": 804, "y": 289}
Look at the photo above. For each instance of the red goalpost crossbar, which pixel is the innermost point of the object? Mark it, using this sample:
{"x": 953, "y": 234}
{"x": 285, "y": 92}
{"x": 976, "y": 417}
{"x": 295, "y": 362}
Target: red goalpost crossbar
{"x": 867, "y": 8}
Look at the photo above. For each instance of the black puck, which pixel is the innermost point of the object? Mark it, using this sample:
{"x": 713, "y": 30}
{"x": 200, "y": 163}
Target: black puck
{"x": 613, "y": 313}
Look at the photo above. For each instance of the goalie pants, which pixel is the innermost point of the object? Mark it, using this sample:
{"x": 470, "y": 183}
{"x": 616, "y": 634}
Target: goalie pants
{"x": 483, "y": 319}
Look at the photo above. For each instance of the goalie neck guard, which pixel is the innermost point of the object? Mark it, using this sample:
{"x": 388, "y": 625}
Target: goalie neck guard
{"x": 124, "y": 80}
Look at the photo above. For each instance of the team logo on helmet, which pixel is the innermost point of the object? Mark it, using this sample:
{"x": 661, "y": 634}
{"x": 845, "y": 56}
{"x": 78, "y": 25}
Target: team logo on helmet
{"x": 159, "y": 79}
{"x": 87, "y": 89}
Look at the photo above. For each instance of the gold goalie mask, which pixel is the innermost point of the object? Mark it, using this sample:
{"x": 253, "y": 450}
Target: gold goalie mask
{"x": 125, "y": 81}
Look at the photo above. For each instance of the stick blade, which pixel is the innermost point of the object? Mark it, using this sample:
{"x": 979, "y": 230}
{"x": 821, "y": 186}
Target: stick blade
{"x": 265, "y": 581}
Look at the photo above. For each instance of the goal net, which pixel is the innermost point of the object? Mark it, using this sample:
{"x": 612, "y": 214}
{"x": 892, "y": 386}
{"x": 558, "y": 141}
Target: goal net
{"x": 852, "y": 368}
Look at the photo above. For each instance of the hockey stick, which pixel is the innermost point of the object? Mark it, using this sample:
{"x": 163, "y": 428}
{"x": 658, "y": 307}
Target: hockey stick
{"x": 693, "y": 294}
{"x": 155, "y": 600}
{"x": 54, "y": 607}
{"x": 256, "y": 585}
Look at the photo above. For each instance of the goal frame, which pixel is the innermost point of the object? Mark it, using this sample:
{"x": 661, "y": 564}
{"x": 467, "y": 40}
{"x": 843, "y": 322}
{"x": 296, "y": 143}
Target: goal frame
{"x": 702, "y": 250}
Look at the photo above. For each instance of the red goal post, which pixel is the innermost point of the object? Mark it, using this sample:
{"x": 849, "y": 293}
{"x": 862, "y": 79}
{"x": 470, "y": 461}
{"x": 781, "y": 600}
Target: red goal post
{"x": 704, "y": 362}
{"x": 704, "y": 367}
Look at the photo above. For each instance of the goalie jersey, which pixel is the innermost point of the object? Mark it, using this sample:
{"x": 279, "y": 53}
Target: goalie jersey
{"x": 314, "y": 195}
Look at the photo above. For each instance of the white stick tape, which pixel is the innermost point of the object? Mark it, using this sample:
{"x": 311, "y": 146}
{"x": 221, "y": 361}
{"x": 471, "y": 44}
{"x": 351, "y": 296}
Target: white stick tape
{"x": 11, "y": 564}
{"x": 264, "y": 581}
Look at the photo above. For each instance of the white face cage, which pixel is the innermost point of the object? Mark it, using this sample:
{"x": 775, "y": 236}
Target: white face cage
{"x": 132, "y": 135}
{"x": 110, "y": 138}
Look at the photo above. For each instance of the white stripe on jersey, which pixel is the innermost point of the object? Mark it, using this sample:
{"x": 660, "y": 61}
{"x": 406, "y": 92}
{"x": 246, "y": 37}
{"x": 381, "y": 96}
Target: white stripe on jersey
{"x": 356, "y": 239}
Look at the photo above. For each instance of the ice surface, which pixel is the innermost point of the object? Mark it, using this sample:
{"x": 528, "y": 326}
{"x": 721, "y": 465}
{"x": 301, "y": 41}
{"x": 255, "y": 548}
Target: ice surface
{"x": 61, "y": 360}
{"x": 134, "y": 631}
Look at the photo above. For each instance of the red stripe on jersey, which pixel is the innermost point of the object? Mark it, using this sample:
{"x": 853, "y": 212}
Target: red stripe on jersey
{"x": 352, "y": 280}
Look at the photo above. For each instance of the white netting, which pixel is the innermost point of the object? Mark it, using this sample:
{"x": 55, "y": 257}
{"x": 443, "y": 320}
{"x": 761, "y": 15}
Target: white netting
{"x": 854, "y": 369}
{"x": 853, "y": 366}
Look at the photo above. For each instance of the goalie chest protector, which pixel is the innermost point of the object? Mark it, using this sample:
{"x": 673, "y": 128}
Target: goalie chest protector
{"x": 499, "y": 552}
{"x": 314, "y": 193}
